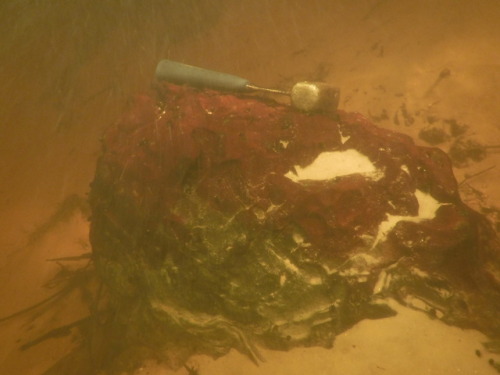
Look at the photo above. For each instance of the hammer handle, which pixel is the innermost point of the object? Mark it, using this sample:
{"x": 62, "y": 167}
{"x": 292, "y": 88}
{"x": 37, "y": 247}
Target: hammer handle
{"x": 183, "y": 74}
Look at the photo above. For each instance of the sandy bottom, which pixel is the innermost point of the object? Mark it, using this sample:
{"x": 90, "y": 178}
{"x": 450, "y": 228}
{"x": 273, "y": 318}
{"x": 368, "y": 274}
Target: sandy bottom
{"x": 67, "y": 71}
{"x": 371, "y": 347}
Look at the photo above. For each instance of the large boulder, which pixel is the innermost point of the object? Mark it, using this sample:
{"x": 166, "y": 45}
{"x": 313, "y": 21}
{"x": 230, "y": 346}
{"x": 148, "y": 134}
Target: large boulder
{"x": 221, "y": 221}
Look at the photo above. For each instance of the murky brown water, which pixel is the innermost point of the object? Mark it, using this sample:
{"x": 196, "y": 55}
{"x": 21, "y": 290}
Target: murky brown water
{"x": 68, "y": 70}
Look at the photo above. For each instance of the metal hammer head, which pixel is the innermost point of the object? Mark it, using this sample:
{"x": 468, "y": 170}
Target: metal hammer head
{"x": 306, "y": 96}
{"x": 315, "y": 97}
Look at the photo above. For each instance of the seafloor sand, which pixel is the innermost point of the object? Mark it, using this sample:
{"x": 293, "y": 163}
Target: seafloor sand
{"x": 67, "y": 70}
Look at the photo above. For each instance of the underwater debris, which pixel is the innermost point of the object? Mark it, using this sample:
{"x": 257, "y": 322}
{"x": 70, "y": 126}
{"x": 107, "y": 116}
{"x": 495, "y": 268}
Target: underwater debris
{"x": 464, "y": 150}
{"x": 433, "y": 135}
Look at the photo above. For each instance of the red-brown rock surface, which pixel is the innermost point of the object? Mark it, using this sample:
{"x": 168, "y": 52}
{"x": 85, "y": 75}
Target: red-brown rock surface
{"x": 212, "y": 212}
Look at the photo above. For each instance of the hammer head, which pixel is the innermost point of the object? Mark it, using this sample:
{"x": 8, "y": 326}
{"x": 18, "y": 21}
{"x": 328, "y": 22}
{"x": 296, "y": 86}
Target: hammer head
{"x": 315, "y": 97}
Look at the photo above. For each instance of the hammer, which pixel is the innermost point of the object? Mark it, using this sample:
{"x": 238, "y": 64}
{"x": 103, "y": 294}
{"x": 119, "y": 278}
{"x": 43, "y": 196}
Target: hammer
{"x": 305, "y": 96}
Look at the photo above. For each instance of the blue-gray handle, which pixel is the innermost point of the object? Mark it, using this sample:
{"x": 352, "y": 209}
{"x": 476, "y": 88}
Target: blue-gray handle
{"x": 183, "y": 74}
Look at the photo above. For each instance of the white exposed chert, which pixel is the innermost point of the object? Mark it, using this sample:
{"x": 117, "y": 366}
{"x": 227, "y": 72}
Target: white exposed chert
{"x": 360, "y": 266}
{"x": 383, "y": 281}
{"x": 427, "y": 208}
{"x": 293, "y": 269}
{"x": 284, "y": 143}
{"x": 344, "y": 139}
{"x": 404, "y": 168}
{"x": 332, "y": 164}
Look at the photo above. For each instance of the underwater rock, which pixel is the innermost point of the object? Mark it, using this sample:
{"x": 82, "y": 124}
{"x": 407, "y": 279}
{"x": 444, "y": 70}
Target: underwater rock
{"x": 222, "y": 221}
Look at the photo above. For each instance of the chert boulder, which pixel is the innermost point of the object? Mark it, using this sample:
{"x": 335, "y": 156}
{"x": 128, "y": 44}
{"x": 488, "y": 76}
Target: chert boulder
{"x": 221, "y": 221}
